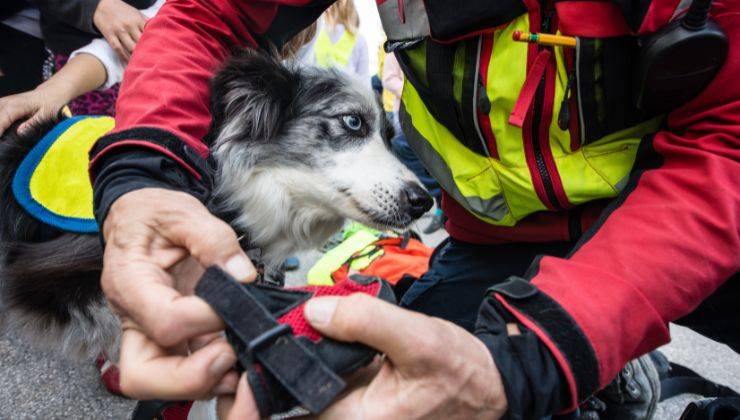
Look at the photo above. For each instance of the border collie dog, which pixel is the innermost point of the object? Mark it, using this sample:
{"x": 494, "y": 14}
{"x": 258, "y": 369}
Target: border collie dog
{"x": 297, "y": 149}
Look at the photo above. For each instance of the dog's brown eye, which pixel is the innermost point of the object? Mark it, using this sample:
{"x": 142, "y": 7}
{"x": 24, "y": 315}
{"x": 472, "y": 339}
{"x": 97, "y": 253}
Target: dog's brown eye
{"x": 352, "y": 122}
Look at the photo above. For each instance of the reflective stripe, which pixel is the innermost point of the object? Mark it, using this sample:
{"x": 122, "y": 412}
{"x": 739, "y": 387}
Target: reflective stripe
{"x": 494, "y": 207}
{"x": 320, "y": 273}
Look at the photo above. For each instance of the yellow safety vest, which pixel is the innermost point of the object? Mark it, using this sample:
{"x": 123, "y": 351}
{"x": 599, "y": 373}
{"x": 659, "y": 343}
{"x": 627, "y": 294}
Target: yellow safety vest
{"x": 328, "y": 54}
{"x": 492, "y": 138}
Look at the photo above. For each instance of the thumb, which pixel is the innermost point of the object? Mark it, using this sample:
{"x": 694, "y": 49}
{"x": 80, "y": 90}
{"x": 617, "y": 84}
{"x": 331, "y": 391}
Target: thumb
{"x": 11, "y": 111}
{"x": 364, "y": 319}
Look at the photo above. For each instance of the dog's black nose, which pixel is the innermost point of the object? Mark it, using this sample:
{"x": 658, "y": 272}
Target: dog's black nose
{"x": 415, "y": 200}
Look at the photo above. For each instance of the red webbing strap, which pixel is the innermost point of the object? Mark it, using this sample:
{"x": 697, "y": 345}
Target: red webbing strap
{"x": 526, "y": 95}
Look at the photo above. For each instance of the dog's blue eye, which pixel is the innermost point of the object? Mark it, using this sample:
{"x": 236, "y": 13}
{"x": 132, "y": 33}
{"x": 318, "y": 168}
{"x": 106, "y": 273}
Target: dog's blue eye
{"x": 352, "y": 121}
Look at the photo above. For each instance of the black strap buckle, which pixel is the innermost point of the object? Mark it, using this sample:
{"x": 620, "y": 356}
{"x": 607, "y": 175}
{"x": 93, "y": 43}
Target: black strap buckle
{"x": 267, "y": 337}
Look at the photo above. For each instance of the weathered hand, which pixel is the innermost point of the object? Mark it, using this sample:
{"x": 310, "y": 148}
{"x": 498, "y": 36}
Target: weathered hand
{"x": 158, "y": 242}
{"x": 35, "y": 107}
{"x": 120, "y": 24}
{"x": 432, "y": 369}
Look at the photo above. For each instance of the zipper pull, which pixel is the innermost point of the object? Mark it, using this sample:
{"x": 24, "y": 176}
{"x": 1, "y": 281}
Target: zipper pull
{"x": 564, "y": 114}
{"x": 484, "y": 104}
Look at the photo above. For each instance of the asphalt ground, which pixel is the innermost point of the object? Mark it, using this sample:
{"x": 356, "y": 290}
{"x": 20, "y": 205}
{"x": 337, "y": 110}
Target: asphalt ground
{"x": 35, "y": 385}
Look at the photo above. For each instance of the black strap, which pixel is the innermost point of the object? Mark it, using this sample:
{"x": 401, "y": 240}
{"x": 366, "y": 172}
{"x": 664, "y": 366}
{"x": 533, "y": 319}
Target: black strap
{"x": 682, "y": 380}
{"x": 261, "y": 338}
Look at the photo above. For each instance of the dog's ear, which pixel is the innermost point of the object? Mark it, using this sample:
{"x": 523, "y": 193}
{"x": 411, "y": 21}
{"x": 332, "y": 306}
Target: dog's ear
{"x": 251, "y": 97}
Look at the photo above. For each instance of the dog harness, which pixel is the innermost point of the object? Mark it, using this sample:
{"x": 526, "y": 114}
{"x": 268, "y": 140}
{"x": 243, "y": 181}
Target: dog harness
{"x": 52, "y": 183}
{"x": 288, "y": 363}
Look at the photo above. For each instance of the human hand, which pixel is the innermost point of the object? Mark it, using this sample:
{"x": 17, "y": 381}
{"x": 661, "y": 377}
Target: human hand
{"x": 35, "y": 106}
{"x": 158, "y": 242}
{"x": 120, "y": 24}
{"x": 433, "y": 368}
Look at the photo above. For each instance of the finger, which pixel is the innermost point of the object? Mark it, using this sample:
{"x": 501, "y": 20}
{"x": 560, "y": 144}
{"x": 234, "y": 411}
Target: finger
{"x": 227, "y": 385}
{"x": 201, "y": 341}
{"x": 33, "y": 123}
{"x": 148, "y": 372}
{"x": 374, "y": 322}
{"x": 140, "y": 24}
{"x": 128, "y": 42}
{"x": 10, "y": 114}
{"x": 118, "y": 48}
{"x": 211, "y": 242}
{"x": 242, "y": 406}
{"x": 164, "y": 314}
{"x": 136, "y": 32}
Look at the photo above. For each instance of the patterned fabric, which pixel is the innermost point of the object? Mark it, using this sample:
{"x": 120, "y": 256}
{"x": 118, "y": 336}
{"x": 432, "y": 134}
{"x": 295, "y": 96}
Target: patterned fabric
{"x": 96, "y": 102}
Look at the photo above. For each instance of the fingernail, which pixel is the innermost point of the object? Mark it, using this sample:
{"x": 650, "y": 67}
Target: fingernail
{"x": 240, "y": 267}
{"x": 222, "y": 364}
{"x": 320, "y": 310}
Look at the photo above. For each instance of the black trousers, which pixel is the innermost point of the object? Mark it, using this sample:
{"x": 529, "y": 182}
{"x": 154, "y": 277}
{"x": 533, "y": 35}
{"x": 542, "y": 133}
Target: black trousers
{"x": 21, "y": 61}
{"x": 459, "y": 274}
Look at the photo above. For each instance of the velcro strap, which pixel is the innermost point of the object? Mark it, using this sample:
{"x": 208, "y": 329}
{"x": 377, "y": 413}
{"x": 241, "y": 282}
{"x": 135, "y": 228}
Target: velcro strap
{"x": 261, "y": 338}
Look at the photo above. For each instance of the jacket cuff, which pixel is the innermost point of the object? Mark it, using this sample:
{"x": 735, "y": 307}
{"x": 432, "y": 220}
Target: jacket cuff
{"x": 133, "y": 168}
{"x": 557, "y": 330}
{"x": 155, "y": 139}
{"x": 534, "y": 384}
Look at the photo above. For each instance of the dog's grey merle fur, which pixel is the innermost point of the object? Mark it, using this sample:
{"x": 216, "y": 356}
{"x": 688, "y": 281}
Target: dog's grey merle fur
{"x": 289, "y": 167}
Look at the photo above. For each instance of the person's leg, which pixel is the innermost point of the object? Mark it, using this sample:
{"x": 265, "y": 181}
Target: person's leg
{"x": 459, "y": 274}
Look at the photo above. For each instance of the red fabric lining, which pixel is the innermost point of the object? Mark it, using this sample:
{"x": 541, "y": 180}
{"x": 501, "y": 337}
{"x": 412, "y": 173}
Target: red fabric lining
{"x": 592, "y": 19}
{"x": 346, "y": 287}
{"x": 564, "y": 365}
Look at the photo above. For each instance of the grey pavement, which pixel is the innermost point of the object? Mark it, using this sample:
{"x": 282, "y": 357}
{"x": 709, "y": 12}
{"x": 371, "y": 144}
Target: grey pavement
{"x": 34, "y": 385}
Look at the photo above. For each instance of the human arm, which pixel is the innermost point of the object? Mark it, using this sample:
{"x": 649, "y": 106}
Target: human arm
{"x": 80, "y": 75}
{"x": 666, "y": 243}
{"x": 162, "y": 117}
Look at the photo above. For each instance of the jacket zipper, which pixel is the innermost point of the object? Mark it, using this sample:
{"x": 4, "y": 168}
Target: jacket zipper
{"x": 477, "y": 89}
{"x": 537, "y": 121}
{"x": 564, "y": 114}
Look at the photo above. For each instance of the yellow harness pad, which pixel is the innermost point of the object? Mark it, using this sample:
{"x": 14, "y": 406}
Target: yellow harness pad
{"x": 52, "y": 183}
